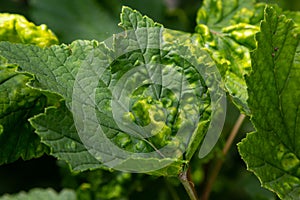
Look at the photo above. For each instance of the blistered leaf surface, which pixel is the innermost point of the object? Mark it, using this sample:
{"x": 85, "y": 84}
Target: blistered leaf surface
{"x": 227, "y": 29}
{"x": 16, "y": 28}
{"x": 166, "y": 94}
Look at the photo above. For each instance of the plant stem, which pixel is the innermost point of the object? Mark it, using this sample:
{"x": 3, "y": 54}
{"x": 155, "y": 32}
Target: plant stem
{"x": 188, "y": 184}
{"x": 220, "y": 161}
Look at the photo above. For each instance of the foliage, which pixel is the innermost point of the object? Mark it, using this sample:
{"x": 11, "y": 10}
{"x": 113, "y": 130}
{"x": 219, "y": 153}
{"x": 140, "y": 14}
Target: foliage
{"x": 49, "y": 107}
{"x": 19, "y": 102}
{"x": 273, "y": 151}
{"x": 227, "y": 29}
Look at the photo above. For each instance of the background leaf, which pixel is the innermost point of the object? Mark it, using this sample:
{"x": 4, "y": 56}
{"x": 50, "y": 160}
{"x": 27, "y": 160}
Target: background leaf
{"x": 16, "y": 28}
{"x": 272, "y": 152}
{"x": 37, "y": 194}
{"x": 19, "y": 102}
{"x": 227, "y": 30}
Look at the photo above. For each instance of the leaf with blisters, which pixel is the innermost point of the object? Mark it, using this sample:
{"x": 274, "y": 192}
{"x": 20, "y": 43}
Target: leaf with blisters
{"x": 227, "y": 29}
{"x": 294, "y": 15}
{"x": 16, "y": 28}
{"x": 138, "y": 70}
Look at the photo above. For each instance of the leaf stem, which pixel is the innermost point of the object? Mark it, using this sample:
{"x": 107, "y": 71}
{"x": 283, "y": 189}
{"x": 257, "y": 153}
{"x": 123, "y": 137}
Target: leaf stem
{"x": 188, "y": 184}
{"x": 218, "y": 166}
{"x": 233, "y": 133}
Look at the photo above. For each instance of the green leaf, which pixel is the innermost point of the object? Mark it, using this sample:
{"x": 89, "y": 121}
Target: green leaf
{"x": 19, "y": 102}
{"x": 56, "y": 129}
{"x": 162, "y": 83}
{"x": 272, "y": 152}
{"x": 75, "y": 20}
{"x": 46, "y": 80}
{"x": 54, "y": 67}
{"x": 37, "y": 194}
{"x": 227, "y": 29}
{"x": 293, "y": 15}
{"x": 220, "y": 13}
{"x": 15, "y": 28}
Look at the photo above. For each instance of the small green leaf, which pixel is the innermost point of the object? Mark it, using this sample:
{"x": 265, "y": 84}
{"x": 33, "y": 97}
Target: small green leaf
{"x": 272, "y": 152}
{"x": 38, "y": 194}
